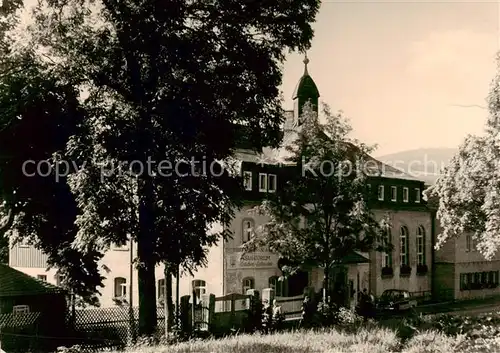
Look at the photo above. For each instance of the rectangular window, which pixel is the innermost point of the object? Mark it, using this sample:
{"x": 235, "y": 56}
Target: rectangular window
{"x": 417, "y": 195}
{"x": 120, "y": 287}
{"x": 262, "y": 182}
{"x": 381, "y": 192}
{"x": 42, "y": 278}
{"x": 463, "y": 281}
{"x": 271, "y": 183}
{"x": 247, "y": 180}
{"x": 405, "y": 194}
{"x": 20, "y": 309}
{"x": 473, "y": 244}
{"x": 161, "y": 288}
{"x": 468, "y": 243}
{"x": 199, "y": 288}
{"x": 394, "y": 193}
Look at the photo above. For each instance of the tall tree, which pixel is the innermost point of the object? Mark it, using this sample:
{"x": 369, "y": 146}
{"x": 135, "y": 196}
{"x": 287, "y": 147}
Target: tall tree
{"x": 468, "y": 190}
{"x": 165, "y": 81}
{"x": 319, "y": 214}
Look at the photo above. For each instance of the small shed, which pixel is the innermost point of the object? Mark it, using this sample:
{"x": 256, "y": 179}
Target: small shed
{"x": 29, "y": 307}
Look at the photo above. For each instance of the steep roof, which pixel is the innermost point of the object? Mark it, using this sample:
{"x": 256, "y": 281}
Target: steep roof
{"x": 17, "y": 283}
{"x": 306, "y": 88}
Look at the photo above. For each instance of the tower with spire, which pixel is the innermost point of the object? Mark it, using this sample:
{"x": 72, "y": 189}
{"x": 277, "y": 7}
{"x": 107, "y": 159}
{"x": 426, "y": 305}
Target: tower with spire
{"x": 306, "y": 91}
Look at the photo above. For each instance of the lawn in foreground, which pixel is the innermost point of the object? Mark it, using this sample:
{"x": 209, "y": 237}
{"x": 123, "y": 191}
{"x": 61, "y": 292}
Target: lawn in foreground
{"x": 375, "y": 340}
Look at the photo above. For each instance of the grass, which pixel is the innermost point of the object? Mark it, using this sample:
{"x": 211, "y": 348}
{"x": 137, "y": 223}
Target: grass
{"x": 422, "y": 334}
{"x": 365, "y": 340}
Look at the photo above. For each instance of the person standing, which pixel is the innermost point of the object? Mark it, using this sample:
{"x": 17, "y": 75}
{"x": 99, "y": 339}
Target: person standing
{"x": 278, "y": 316}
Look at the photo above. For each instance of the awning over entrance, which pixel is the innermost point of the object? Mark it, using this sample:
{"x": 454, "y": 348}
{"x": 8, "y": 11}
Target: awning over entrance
{"x": 353, "y": 258}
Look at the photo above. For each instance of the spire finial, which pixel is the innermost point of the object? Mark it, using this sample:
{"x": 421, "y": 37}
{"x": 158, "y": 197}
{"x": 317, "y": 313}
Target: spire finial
{"x": 306, "y": 61}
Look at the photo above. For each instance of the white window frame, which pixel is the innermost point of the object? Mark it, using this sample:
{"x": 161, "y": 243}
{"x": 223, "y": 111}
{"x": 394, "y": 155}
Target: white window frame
{"x": 59, "y": 279}
{"x": 277, "y": 286}
{"x": 417, "y": 195}
{"x": 120, "y": 287}
{"x": 403, "y": 246}
{"x": 406, "y": 194}
{"x": 248, "y": 283}
{"x": 468, "y": 243}
{"x": 199, "y": 288}
{"x": 20, "y": 309}
{"x": 262, "y": 182}
{"x": 247, "y": 232}
{"x": 42, "y": 278}
{"x": 271, "y": 187}
{"x": 394, "y": 193}
{"x": 380, "y": 193}
{"x": 161, "y": 288}
{"x": 247, "y": 180}
{"x": 420, "y": 245}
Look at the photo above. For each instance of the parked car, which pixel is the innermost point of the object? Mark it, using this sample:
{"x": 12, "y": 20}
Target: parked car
{"x": 396, "y": 301}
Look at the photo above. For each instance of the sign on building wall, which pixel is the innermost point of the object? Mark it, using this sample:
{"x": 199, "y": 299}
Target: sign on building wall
{"x": 253, "y": 260}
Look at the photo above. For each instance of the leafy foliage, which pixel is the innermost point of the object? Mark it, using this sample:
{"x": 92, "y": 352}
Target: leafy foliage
{"x": 320, "y": 213}
{"x": 123, "y": 83}
{"x": 468, "y": 191}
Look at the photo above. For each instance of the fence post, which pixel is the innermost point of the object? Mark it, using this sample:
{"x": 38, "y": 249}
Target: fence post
{"x": 185, "y": 314}
{"x": 204, "y": 312}
{"x": 211, "y": 311}
{"x": 233, "y": 314}
{"x": 268, "y": 294}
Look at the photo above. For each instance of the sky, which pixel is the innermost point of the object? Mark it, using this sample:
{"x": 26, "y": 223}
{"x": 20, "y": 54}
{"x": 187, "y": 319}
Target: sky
{"x": 403, "y": 71}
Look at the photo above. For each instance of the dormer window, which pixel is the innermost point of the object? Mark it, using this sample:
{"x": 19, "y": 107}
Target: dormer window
{"x": 262, "y": 182}
{"x": 405, "y": 194}
{"x": 381, "y": 192}
{"x": 394, "y": 193}
{"x": 247, "y": 180}
{"x": 271, "y": 183}
{"x": 417, "y": 195}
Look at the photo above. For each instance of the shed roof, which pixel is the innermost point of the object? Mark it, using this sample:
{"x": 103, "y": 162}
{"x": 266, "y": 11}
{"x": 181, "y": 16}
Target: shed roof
{"x": 16, "y": 283}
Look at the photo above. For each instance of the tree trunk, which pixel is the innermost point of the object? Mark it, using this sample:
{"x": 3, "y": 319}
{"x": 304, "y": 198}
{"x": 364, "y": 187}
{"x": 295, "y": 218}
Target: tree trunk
{"x": 146, "y": 241}
{"x": 170, "y": 314}
{"x": 326, "y": 284}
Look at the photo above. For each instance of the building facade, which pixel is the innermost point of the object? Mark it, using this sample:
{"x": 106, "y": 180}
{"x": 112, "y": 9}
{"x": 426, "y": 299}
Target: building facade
{"x": 462, "y": 272}
{"x": 231, "y": 270}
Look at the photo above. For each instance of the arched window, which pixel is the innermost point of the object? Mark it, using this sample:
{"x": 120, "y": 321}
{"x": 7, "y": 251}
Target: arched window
{"x": 387, "y": 256}
{"x": 199, "y": 288}
{"x": 403, "y": 247}
{"x": 420, "y": 245}
{"x": 277, "y": 285}
{"x": 120, "y": 287}
{"x": 248, "y": 229}
{"x": 248, "y": 283}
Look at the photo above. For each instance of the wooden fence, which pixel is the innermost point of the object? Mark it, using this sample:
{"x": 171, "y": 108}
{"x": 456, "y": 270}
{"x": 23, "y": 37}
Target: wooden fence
{"x": 291, "y": 306}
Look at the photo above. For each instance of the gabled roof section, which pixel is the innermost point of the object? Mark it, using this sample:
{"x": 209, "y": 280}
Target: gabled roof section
{"x": 17, "y": 283}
